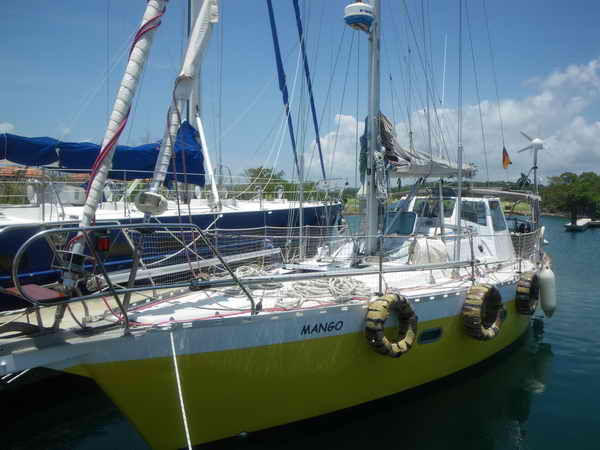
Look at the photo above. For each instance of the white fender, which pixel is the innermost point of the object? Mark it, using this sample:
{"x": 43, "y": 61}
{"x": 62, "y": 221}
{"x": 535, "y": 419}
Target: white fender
{"x": 547, "y": 290}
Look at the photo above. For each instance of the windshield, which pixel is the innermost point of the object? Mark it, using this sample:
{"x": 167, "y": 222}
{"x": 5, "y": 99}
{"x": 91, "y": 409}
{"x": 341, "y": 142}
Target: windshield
{"x": 400, "y": 223}
{"x": 497, "y": 216}
{"x": 430, "y": 207}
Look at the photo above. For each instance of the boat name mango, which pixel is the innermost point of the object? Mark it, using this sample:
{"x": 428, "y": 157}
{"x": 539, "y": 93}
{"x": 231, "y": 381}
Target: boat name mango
{"x": 322, "y": 327}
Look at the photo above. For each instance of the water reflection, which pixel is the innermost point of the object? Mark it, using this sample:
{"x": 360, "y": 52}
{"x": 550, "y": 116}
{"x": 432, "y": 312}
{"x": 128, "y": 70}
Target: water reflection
{"x": 537, "y": 364}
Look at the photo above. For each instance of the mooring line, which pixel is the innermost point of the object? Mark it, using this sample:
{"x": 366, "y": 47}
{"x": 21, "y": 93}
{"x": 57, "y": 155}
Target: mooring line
{"x": 180, "y": 393}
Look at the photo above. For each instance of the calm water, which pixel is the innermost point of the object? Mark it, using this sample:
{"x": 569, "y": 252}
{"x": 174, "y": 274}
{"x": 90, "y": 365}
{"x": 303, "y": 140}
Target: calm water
{"x": 542, "y": 394}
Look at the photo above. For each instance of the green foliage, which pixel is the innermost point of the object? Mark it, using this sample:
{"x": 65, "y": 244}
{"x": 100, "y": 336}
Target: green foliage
{"x": 13, "y": 193}
{"x": 577, "y": 195}
{"x": 269, "y": 181}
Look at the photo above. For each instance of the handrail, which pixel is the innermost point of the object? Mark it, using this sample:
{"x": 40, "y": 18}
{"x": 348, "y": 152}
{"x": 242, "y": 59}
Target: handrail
{"x": 43, "y": 233}
{"x": 195, "y": 284}
{"x": 86, "y": 230}
{"x": 283, "y": 278}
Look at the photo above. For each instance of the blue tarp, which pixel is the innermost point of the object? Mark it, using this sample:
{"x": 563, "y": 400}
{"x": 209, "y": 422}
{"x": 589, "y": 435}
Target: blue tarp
{"x": 128, "y": 162}
{"x": 137, "y": 161}
{"x": 187, "y": 150}
{"x": 28, "y": 151}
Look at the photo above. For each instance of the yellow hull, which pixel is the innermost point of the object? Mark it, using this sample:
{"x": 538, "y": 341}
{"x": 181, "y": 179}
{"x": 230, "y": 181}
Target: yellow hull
{"x": 232, "y": 391}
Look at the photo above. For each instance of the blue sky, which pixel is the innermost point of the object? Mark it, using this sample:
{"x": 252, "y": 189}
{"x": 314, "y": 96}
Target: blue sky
{"x": 53, "y": 78}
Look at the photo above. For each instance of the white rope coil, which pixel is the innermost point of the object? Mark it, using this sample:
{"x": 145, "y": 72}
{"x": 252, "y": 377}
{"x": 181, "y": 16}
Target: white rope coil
{"x": 340, "y": 290}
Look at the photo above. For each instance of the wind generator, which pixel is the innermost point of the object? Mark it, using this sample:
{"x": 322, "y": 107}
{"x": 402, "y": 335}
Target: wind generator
{"x": 536, "y": 145}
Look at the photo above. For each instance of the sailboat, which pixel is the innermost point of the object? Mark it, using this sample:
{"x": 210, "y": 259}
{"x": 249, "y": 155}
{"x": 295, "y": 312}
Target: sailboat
{"x": 179, "y": 165}
{"x": 435, "y": 289}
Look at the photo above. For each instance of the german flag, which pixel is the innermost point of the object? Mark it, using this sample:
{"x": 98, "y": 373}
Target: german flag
{"x": 505, "y": 158}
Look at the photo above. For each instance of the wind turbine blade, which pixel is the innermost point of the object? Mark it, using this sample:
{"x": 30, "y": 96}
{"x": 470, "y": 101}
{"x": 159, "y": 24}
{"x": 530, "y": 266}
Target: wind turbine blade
{"x": 527, "y": 137}
{"x": 529, "y": 147}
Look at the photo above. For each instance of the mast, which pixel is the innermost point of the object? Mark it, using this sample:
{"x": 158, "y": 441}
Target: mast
{"x": 196, "y": 113}
{"x": 137, "y": 58}
{"x": 151, "y": 202}
{"x": 374, "y": 130}
{"x": 366, "y": 17}
{"x": 188, "y": 33}
{"x": 195, "y": 104}
{"x": 118, "y": 119}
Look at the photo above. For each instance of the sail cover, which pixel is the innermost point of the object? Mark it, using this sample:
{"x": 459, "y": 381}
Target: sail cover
{"x": 403, "y": 162}
{"x": 38, "y": 151}
{"x": 129, "y": 163}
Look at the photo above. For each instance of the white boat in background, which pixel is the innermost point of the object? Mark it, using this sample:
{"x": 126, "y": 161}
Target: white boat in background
{"x": 269, "y": 338}
{"x": 580, "y": 225}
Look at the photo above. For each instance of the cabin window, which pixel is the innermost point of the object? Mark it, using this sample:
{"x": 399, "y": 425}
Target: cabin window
{"x": 400, "y": 223}
{"x": 498, "y": 221}
{"x": 474, "y": 212}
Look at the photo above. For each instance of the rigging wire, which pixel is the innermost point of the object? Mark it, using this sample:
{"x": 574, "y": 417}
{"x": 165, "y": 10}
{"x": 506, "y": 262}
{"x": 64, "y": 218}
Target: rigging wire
{"x": 309, "y": 84}
{"x": 278, "y": 139}
{"x": 71, "y": 123}
{"x": 337, "y": 132}
{"x": 487, "y": 27}
{"x": 282, "y": 82}
{"x": 424, "y": 66}
{"x": 285, "y": 114}
{"x": 393, "y": 95}
{"x": 427, "y": 70}
{"x": 314, "y": 64}
{"x": 220, "y": 98}
{"x": 327, "y": 102}
{"x": 107, "y": 61}
{"x": 431, "y": 69}
{"x": 233, "y": 125}
{"x": 387, "y": 61}
{"x": 301, "y": 110}
{"x": 460, "y": 76}
{"x": 404, "y": 67}
{"x": 357, "y": 139}
{"x": 487, "y": 172}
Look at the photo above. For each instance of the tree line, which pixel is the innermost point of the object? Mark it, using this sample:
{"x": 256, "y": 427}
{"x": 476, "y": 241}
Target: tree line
{"x": 569, "y": 193}
{"x": 572, "y": 194}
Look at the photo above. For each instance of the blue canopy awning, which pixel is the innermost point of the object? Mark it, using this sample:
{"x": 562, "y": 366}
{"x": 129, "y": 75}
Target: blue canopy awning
{"x": 38, "y": 151}
{"x": 129, "y": 163}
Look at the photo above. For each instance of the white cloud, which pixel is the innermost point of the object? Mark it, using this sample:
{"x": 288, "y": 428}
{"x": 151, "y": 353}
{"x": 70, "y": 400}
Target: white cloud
{"x": 556, "y": 109}
{"x": 340, "y": 146}
{"x": 6, "y": 127}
